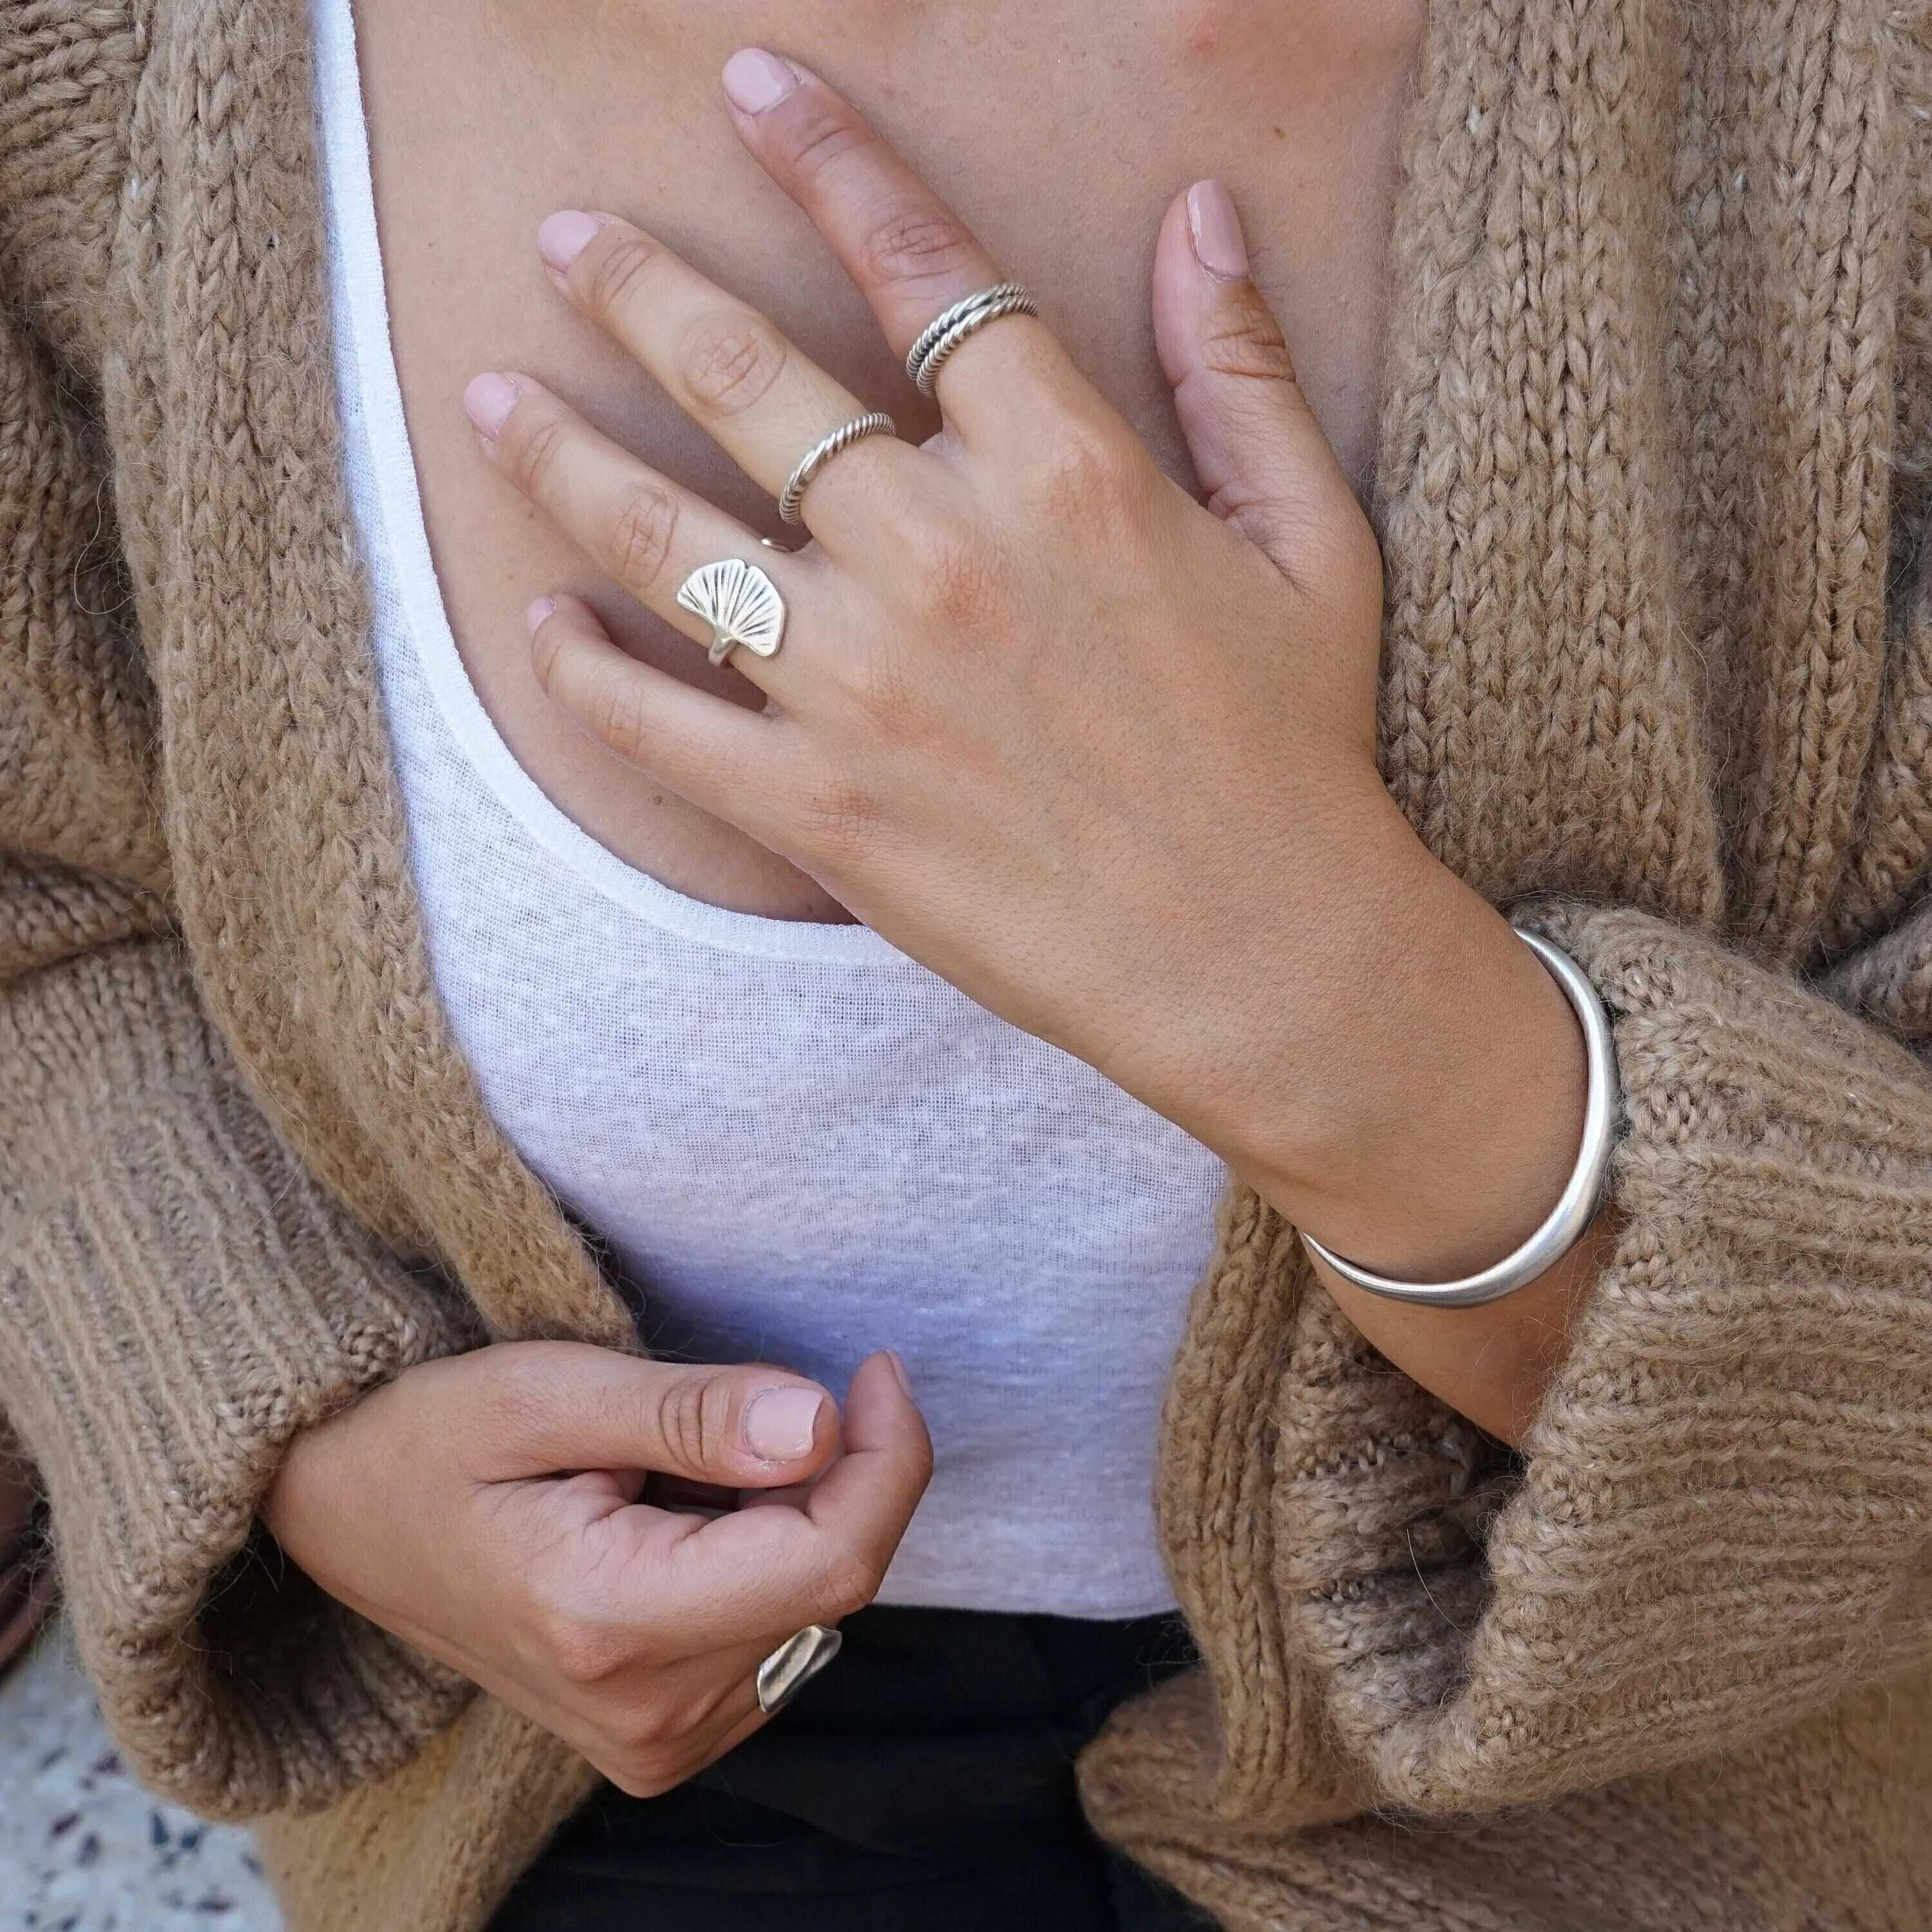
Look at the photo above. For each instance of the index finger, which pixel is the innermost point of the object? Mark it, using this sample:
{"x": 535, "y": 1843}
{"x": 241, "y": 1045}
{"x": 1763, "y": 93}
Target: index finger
{"x": 911, "y": 257}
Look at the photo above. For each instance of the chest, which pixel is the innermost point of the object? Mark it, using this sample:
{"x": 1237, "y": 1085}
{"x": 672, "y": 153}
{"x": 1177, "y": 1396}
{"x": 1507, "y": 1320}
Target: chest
{"x": 1061, "y": 131}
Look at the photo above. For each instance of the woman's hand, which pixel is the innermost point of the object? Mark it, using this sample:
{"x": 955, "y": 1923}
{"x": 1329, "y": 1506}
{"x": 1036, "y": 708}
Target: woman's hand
{"x": 485, "y": 1510}
{"x": 1101, "y": 756}
{"x": 1051, "y": 726}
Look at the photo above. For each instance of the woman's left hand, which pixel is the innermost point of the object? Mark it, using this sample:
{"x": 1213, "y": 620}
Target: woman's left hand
{"x": 1102, "y": 757}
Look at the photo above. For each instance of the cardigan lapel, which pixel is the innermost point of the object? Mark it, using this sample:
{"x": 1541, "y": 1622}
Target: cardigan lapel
{"x": 1543, "y": 709}
{"x": 284, "y": 817}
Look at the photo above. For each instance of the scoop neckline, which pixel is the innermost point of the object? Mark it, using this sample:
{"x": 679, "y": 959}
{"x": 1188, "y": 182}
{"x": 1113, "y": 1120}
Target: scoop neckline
{"x": 362, "y": 291}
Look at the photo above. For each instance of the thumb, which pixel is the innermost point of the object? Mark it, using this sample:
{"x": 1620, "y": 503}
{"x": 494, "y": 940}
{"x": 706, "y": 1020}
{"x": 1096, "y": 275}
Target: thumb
{"x": 1261, "y": 455}
{"x": 549, "y": 1406}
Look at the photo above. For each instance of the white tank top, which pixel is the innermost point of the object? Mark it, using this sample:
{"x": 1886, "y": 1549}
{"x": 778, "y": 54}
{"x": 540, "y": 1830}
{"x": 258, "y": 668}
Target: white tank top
{"x": 798, "y": 1145}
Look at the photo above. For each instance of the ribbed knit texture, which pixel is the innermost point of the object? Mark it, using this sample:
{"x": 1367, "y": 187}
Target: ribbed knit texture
{"x": 178, "y": 1297}
{"x": 1655, "y": 479}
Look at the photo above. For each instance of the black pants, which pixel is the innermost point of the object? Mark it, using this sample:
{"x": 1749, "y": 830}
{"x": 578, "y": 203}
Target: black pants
{"x": 922, "y": 1783}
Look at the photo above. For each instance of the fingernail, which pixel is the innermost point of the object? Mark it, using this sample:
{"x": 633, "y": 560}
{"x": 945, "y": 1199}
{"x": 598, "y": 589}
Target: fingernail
{"x": 566, "y": 235}
{"x": 488, "y": 402}
{"x": 893, "y": 1356}
{"x": 755, "y": 80}
{"x": 1219, "y": 245}
{"x": 781, "y": 1424}
{"x": 541, "y": 608}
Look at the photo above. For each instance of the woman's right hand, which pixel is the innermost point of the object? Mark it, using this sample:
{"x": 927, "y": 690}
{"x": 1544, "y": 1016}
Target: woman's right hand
{"x": 485, "y": 1509}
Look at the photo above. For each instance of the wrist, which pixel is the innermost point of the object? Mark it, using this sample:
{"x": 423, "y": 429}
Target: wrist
{"x": 287, "y": 1508}
{"x": 1427, "y": 1116}
{"x": 311, "y": 1507}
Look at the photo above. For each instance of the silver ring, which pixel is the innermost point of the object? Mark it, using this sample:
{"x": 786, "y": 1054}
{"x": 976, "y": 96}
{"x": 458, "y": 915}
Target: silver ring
{"x": 740, "y": 603}
{"x": 874, "y": 422}
{"x": 794, "y": 1664}
{"x": 942, "y": 335}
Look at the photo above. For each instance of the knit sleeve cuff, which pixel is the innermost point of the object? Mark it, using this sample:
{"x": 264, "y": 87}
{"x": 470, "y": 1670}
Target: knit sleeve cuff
{"x": 178, "y": 1299}
{"x": 1719, "y": 1521}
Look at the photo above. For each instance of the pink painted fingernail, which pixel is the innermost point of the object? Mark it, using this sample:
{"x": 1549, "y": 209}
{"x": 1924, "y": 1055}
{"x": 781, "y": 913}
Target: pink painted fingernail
{"x": 566, "y": 235}
{"x": 755, "y": 80}
{"x": 488, "y": 402}
{"x": 541, "y": 609}
{"x": 781, "y": 1424}
{"x": 1219, "y": 245}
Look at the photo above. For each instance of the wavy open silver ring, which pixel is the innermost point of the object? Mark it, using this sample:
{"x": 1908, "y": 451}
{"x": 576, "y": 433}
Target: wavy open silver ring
{"x": 794, "y": 1664}
{"x": 740, "y": 603}
{"x": 942, "y": 335}
{"x": 874, "y": 422}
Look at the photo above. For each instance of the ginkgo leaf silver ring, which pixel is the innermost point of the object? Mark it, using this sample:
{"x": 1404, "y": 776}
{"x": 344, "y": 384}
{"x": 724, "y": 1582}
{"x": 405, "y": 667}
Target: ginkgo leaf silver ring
{"x": 874, "y": 422}
{"x": 740, "y": 603}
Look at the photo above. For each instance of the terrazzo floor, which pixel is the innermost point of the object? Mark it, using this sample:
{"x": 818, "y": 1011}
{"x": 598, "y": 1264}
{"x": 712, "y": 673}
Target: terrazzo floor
{"x": 83, "y": 1847}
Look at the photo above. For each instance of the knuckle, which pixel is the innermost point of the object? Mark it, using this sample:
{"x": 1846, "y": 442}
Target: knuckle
{"x": 1327, "y": 552}
{"x": 1082, "y": 465}
{"x": 835, "y": 816}
{"x": 524, "y": 1391}
{"x": 730, "y": 360}
{"x": 659, "y": 1742}
{"x": 915, "y": 241}
{"x": 644, "y": 1731}
{"x": 615, "y": 270}
{"x": 641, "y": 534}
{"x": 615, "y": 711}
{"x": 583, "y": 1650}
{"x": 693, "y": 1421}
{"x": 536, "y": 447}
{"x": 574, "y": 1657}
{"x": 1246, "y": 340}
{"x": 850, "y": 1580}
{"x": 822, "y": 132}
{"x": 960, "y": 581}
{"x": 888, "y": 694}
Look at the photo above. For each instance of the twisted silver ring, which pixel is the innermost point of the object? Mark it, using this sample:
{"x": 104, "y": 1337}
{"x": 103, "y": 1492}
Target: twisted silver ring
{"x": 794, "y": 1664}
{"x": 945, "y": 333}
{"x": 874, "y": 422}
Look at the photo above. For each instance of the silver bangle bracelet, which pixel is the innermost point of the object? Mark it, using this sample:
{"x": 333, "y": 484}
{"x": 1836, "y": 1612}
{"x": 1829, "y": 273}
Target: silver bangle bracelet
{"x": 1574, "y": 1211}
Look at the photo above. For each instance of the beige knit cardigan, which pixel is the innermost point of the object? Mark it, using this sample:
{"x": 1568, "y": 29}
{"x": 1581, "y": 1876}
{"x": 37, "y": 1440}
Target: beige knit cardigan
{"x": 1655, "y": 485}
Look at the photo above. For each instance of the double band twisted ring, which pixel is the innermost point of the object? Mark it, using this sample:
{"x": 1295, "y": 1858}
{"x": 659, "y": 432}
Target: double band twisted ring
{"x": 874, "y": 422}
{"x": 944, "y": 333}
{"x": 794, "y": 1664}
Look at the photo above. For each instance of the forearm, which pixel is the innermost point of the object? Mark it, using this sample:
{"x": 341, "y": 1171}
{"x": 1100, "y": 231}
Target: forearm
{"x": 1416, "y": 1105}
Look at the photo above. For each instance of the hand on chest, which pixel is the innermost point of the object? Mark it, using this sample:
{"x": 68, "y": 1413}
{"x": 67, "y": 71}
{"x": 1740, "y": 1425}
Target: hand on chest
{"x": 1059, "y": 133}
